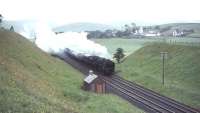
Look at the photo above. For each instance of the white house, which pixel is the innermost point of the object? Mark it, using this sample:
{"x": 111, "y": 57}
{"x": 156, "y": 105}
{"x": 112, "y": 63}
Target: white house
{"x": 141, "y": 30}
{"x": 175, "y": 33}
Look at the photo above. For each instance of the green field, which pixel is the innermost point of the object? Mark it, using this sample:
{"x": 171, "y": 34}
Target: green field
{"x": 144, "y": 66}
{"x": 32, "y": 81}
{"x": 131, "y": 45}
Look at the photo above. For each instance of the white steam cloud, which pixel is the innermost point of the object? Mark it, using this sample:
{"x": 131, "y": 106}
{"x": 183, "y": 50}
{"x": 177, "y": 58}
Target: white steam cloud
{"x": 49, "y": 42}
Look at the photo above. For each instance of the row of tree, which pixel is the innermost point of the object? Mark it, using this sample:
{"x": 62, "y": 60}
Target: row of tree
{"x": 110, "y": 33}
{"x": 127, "y": 31}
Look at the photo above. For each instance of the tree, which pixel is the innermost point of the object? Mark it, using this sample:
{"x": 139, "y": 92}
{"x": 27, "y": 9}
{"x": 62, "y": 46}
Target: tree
{"x": 133, "y": 24}
{"x": 12, "y": 28}
{"x": 133, "y": 27}
{"x": 128, "y": 30}
{"x": 1, "y": 18}
{"x": 157, "y": 27}
{"x": 119, "y": 54}
{"x": 126, "y": 26}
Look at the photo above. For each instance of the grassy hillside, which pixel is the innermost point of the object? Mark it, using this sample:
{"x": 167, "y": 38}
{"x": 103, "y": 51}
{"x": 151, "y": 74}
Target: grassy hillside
{"x": 32, "y": 81}
{"x": 182, "y": 78}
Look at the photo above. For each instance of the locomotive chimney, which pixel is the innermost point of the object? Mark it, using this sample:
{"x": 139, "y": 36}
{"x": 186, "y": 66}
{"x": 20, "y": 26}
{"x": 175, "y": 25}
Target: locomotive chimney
{"x": 91, "y": 72}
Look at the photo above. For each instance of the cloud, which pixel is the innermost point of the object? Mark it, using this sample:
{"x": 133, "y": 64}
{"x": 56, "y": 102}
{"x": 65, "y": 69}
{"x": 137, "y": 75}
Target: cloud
{"x": 101, "y": 11}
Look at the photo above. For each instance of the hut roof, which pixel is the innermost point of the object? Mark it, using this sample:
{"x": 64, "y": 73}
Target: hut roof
{"x": 89, "y": 79}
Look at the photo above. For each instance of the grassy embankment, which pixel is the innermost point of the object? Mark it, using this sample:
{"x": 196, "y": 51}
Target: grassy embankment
{"x": 182, "y": 72}
{"x": 182, "y": 78}
{"x": 32, "y": 81}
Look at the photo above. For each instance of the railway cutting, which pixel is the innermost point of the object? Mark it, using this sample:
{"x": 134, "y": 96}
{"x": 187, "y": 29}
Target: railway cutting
{"x": 137, "y": 95}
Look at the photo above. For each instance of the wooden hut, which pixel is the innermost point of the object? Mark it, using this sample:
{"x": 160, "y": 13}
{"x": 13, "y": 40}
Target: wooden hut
{"x": 94, "y": 83}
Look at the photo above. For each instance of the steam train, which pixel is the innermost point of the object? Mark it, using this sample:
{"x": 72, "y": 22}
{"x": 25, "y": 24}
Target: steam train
{"x": 98, "y": 64}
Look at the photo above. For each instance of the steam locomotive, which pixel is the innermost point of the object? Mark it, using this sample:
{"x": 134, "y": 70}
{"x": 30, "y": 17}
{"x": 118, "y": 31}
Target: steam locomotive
{"x": 101, "y": 65}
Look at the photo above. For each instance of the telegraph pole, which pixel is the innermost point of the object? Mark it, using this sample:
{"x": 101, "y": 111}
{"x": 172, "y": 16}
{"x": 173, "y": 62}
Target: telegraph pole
{"x": 163, "y": 57}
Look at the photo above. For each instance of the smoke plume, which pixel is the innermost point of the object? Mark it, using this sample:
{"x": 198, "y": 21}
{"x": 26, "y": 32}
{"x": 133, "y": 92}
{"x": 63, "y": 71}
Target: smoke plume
{"x": 49, "y": 42}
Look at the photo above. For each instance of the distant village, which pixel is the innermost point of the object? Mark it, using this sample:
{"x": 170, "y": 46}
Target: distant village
{"x": 134, "y": 31}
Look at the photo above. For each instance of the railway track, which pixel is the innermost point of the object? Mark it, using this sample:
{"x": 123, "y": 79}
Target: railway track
{"x": 143, "y": 98}
{"x": 146, "y": 99}
{"x": 136, "y": 99}
{"x": 177, "y": 107}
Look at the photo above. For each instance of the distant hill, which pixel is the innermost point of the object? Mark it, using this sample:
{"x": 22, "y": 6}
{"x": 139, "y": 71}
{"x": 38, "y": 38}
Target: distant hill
{"x": 32, "y": 81}
{"x": 169, "y": 28}
{"x": 183, "y": 25}
{"x": 79, "y": 27}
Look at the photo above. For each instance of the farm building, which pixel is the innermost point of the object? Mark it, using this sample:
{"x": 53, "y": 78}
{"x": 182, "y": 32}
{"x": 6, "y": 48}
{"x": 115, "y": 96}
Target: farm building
{"x": 177, "y": 33}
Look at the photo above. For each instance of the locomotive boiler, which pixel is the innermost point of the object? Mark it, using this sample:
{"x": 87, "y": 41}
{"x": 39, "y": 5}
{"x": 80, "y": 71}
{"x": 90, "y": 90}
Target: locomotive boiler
{"x": 101, "y": 65}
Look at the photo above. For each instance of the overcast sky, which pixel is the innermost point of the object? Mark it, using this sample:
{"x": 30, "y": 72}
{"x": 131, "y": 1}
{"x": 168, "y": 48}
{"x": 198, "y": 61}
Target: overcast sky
{"x": 102, "y": 11}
